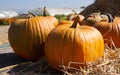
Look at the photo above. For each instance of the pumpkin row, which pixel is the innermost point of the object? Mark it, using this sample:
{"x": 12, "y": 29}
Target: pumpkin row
{"x": 39, "y": 36}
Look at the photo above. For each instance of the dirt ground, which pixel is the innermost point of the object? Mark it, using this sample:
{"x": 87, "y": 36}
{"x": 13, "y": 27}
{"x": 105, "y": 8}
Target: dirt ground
{"x": 4, "y": 34}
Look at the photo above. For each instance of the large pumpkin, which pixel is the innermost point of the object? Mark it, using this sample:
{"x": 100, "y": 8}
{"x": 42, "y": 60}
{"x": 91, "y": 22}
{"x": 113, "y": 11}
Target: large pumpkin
{"x": 110, "y": 31}
{"x": 27, "y": 36}
{"x": 74, "y": 43}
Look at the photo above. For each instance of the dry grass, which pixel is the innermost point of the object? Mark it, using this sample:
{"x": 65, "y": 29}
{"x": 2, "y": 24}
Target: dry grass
{"x": 107, "y": 65}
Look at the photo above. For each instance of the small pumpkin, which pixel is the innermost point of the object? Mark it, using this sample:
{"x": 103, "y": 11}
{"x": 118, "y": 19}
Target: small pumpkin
{"x": 74, "y": 16}
{"x": 81, "y": 18}
{"x": 73, "y": 43}
{"x": 93, "y": 18}
{"x": 27, "y": 36}
{"x": 110, "y": 31}
{"x": 65, "y": 22}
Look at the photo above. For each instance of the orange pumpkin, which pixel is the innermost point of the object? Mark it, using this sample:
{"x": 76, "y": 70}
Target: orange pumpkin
{"x": 93, "y": 18}
{"x": 65, "y": 22}
{"x": 73, "y": 43}
{"x": 27, "y": 36}
{"x": 74, "y": 16}
{"x": 110, "y": 31}
{"x": 81, "y": 17}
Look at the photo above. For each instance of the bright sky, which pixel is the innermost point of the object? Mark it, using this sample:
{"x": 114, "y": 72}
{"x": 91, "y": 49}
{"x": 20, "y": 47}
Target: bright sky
{"x": 30, "y": 4}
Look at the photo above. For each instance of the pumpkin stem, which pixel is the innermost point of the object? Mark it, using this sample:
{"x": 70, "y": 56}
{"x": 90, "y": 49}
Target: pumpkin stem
{"x": 110, "y": 18}
{"x": 44, "y": 11}
{"x": 31, "y": 14}
{"x": 75, "y": 22}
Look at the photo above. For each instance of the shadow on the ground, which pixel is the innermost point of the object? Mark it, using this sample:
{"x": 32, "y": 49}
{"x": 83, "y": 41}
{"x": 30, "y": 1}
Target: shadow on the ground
{"x": 8, "y": 59}
{"x": 24, "y": 66}
{"x": 40, "y": 67}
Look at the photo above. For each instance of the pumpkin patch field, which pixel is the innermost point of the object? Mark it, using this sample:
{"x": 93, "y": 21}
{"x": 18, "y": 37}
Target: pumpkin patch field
{"x": 78, "y": 43}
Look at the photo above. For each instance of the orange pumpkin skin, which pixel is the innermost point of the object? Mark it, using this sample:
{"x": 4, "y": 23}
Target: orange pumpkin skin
{"x": 80, "y": 44}
{"x": 110, "y": 31}
{"x": 65, "y": 22}
{"x": 116, "y": 18}
{"x": 53, "y": 20}
{"x": 27, "y": 36}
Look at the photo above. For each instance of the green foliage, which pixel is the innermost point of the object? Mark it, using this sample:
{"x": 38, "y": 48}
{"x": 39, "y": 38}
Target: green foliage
{"x": 61, "y": 17}
{"x": 42, "y": 15}
{"x": 3, "y": 23}
{"x": 20, "y": 17}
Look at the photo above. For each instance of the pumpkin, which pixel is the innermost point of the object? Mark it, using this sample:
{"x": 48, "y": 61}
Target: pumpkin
{"x": 81, "y": 17}
{"x": 74, "y": 16}
{"x": 65, "y": 22}
{"x": 110, "y": 31}
{"x": 116, "y": 18}
{"x": 27, "y": 36}
{"x": 93, "y": 18}
{"x": 73, "y": 43}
